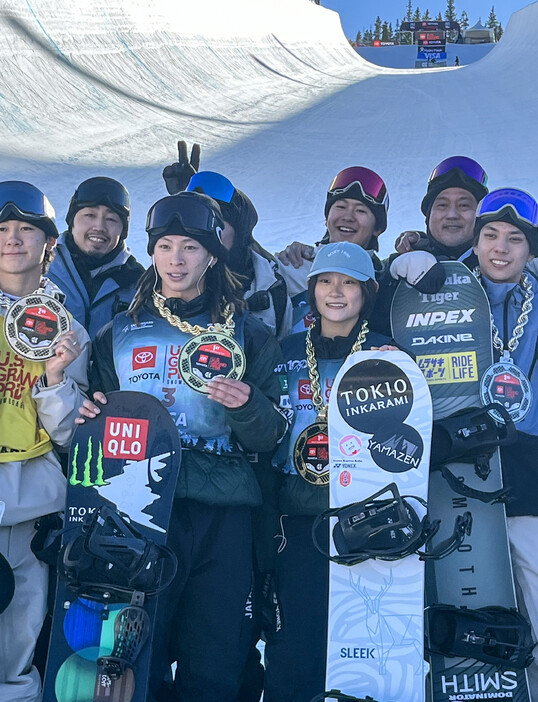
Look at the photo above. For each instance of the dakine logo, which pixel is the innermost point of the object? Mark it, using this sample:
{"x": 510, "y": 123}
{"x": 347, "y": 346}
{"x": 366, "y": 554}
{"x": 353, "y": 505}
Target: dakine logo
{"x": 429, "y": 319}
{"x": 305, "y": 390}
{"x": 144, "y": 357}
{"x": 442, "y": 339}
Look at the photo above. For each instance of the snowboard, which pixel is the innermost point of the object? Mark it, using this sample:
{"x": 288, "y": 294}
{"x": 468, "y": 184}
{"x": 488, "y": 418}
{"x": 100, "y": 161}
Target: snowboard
{"x": 450, "y": 334}
{"x": 125, "y": 461}
{"x": 379, "y": 442}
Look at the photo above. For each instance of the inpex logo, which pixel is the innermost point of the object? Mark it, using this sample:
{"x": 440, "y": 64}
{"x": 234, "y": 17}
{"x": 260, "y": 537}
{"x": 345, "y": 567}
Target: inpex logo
{"x": 144, "y": 357}
{"x": 439, "y": 317}
{"x": 305, "y": 390}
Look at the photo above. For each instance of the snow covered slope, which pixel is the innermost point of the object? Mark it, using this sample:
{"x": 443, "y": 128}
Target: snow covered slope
{"x": 272, "y": 91}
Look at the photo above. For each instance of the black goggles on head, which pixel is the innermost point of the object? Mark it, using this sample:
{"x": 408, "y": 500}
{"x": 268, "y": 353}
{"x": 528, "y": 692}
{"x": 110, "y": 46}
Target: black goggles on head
{"x": 103, "y": 190}
{"x": 25, "y": 199}
{"x": 194, "y": 216}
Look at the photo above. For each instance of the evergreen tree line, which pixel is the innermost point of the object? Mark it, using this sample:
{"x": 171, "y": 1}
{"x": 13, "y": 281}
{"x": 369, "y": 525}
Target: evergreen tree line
{"x": 384, "y": 30}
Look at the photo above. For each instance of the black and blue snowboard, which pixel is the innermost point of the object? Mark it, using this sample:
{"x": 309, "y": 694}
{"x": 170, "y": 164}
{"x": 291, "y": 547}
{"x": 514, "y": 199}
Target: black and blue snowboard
{"x": 473, "y": 652}
{"x": 123, "y": 469}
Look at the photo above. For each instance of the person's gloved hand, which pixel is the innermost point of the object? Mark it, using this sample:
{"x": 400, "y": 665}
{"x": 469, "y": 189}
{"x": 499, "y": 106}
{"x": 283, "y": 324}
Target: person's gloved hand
{"x": 407, "y": 240}
{"x": 177, "y": 175}
{"x": 420, "y": 269}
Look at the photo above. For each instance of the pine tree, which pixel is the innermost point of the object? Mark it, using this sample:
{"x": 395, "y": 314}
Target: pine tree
{"x": 464, "y": 21}
{"x": 377, "y": 28}
{"x": 499, "y": 31}
{"x": 426, "y": 16}
{"x": 385, "y": 32}
{"x": 409, "y": 13}
{"x": 417, "y": 16}
{"x": 358, "y": 38}
{"x": 439, "y": 17}
{"x": 368, "y": 37}
{"x": 450, "y": 12}
{"x": 492, "y": 20}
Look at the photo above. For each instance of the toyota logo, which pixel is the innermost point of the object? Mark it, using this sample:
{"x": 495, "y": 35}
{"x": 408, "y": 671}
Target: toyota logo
{"x": 305, "y": 388}
{"x": 144, "y": 357}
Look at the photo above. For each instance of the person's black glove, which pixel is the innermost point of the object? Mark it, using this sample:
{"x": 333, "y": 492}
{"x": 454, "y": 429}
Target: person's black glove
{"x": 420, "y": 269}
{"x": 177, "y": 175}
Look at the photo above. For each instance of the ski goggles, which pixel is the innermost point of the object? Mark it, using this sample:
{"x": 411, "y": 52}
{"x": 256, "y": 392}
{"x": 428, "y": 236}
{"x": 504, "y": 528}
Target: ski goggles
{"x": 102, "y": 190}
{"x": 371, "y": 186}
{"x": 194, "y": 215}
{"x": 25, "y": 200}
{"x": 213, "y": 184}
{"x": 522, "y": 205}
{"x": 468, "y": 166}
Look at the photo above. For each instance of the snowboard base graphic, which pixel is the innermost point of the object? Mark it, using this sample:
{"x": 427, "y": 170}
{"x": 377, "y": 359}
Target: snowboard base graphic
{"x": 379, "y": 447}
{"x": 123, "y": 469}
{"x": 450, "y": 334}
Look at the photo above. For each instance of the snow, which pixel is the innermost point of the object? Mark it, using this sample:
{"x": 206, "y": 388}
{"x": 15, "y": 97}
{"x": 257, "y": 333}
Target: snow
{"x": 273, "y": 92}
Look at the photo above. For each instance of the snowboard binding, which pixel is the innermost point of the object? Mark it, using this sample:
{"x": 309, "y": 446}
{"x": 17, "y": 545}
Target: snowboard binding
{"x": 111, "y": 558}
{"x": 340, "y": 697}
{"x": 491, "y": 634}
{"x": 471, "y": 436}
{"x": 386, "y": 527}
{"x": 131, "y": 630}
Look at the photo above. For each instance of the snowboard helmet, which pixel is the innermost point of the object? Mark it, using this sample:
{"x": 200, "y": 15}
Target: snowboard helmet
{"x": 343, "y": 257}
{"x": 26, "y": 203}
{"x": 359, "y": 183}
{"x": 510, "y": 205}
{"x": 101, "y": 191}
{"x": 188, "y": 214}
{"x": 455, "y": 172}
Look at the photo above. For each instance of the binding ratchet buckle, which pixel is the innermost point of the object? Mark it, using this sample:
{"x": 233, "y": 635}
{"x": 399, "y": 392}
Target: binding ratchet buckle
{"x": 386, "y": 526}
{"x": 491, "y": 634}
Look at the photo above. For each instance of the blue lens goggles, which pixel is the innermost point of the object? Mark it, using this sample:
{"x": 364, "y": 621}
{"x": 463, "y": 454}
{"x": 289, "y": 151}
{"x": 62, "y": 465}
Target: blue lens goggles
{"x": 468, "y": 166}
{"x": 523, "y": 205}
{"x": 24, "y": 199}
{"x": 213, "y": 184}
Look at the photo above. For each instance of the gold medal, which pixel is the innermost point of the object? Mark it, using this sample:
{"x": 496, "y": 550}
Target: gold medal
{"x": 311, "y": 454}
{"x": 33, "y": 324}
{"x": 211, "y": 355}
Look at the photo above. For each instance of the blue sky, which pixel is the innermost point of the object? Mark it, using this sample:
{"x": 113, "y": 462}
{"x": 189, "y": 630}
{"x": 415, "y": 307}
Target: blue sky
{"x": 360, "y": 14}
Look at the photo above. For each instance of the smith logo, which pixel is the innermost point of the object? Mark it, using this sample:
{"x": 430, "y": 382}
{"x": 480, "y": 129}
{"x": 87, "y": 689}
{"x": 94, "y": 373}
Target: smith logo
{"x": 439, "y": 317}
{"x": 442, "y": 339}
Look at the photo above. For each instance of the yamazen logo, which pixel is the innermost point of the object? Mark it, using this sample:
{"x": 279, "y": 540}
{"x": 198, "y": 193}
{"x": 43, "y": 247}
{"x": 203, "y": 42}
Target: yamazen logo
{"x": 92, "y": 475}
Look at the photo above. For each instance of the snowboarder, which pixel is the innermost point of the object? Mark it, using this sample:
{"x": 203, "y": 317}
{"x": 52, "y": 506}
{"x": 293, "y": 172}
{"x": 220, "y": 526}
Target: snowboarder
{"x": 506, "y": 238}
{"x": 341, "y": 290}
{"x": 212, "y": 364}
{"x": 93, "y": 266}
{"x": 38, "y": 405}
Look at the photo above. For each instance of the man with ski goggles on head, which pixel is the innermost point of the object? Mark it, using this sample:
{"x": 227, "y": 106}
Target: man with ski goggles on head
{"x": 93, "y": 266}
{"x": 356, "y": 211}
{"x": 43, "y": 377}
{"x": 505, "y": 241}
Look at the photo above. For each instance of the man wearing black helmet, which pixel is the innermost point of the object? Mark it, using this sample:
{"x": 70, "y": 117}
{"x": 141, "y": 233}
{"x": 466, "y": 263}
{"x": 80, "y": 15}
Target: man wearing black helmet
{"x": 93, "y": 266}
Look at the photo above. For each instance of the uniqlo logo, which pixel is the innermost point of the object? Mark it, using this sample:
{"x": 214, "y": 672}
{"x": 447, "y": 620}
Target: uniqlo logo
{"x": 144, "y": 357}
{"x": 125, "y": 438}
{"x": 305, "y": 390}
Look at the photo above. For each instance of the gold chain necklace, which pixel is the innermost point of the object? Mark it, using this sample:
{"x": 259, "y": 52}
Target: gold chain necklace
{"x": 313, "y": 373}
{"x": 195, "y": 329}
